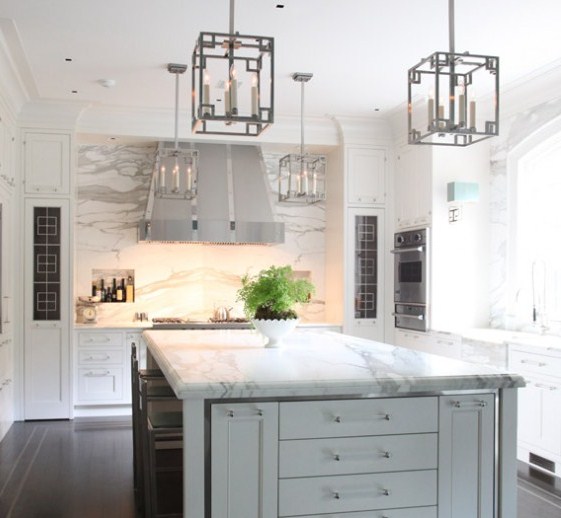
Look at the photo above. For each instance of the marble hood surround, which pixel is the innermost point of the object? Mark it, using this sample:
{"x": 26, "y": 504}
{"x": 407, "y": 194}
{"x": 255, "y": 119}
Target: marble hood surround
{"x": 232, "y": 205}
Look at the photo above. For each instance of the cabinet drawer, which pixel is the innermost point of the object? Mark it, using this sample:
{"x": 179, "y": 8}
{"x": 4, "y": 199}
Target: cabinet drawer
{"x": 104, "y": 338}
{"x": 410, "y": 512}
{"x": 100, "y": 384}
{"x": 349, "y": 455}
{"x": 357, "y": 417}
{"x": 523, "y": 361}
{"x": 341, "y": 494}
{"x": 101, "y": 357}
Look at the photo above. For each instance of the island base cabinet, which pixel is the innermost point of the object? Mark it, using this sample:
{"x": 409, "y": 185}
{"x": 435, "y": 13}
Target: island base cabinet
{"x": 244, "y": 460}
{"x": 466, "y": 456}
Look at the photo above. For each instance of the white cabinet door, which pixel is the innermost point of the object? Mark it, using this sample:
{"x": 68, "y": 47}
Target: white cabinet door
{"x": 413, "y": 187}
{"x": 244, "y": 460}
{"x": 366, "y": 176}
{"x": 46, "y": 162}
{"x": 466, "y": 456}
{"x": 364, "y": 282}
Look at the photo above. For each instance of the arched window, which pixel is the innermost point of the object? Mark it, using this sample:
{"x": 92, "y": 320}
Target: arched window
{"x": 535, "y": 234}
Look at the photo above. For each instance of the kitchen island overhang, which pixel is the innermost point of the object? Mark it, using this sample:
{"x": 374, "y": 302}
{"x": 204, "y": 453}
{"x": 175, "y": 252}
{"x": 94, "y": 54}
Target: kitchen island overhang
{"x": 204, "y": 367}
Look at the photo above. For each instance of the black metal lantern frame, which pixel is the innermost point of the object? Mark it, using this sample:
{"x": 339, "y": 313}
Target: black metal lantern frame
{"x": 242, "y": 102}
{"x": 452, "y": 114}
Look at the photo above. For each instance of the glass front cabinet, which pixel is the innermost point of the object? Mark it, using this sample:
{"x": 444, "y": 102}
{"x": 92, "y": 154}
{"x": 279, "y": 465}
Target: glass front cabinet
{"x": 364, "y": 315}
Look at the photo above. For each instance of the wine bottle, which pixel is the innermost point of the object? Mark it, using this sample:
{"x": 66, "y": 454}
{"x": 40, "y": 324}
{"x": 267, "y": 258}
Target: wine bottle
{"x": 129, "y": 290}
{"x": 114, "y": 290}
{"x": 121, "y": 291}
{"x": 103, "y": 291}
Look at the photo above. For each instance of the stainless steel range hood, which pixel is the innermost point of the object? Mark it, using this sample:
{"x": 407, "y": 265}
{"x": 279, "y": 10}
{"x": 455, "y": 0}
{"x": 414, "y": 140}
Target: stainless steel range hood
{"x": 232, "y": 205}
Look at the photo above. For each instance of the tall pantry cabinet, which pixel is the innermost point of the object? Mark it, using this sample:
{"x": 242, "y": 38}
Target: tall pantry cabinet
{"x": 7, "y": 264}
{"x": 356, "y": 242}
{"x": 47, "y": 204}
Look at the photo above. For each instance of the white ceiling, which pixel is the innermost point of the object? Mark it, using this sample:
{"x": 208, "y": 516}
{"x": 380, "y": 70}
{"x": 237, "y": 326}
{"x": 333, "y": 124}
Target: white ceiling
{"x": 358, "y": 50}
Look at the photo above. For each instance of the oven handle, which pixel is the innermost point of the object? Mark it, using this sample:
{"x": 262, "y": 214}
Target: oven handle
{"x": 417, "y": 317}
{"x": 405, "y": 250}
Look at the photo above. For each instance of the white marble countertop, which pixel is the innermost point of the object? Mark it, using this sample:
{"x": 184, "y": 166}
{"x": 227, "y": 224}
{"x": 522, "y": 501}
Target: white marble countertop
{"x": 234, "y": 363}
{"x": 141, "y": 325}
{"x": 505, "y": 336}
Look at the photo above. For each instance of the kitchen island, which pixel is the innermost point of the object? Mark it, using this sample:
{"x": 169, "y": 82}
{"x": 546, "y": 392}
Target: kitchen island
{"x": 332, "y": 424}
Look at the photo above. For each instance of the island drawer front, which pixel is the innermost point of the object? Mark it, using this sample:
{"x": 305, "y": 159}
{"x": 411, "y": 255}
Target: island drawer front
{"x": 356, "y": 417}
{"x": 349, "y": 455}
{"x": 523, "y": 361}
{"x": 100, "y": 384}
{"x": 348, "y": 493}
{"x": 103, "y": 338}
{"x": 100, "y": 357}
{"x": 410, "y": 512}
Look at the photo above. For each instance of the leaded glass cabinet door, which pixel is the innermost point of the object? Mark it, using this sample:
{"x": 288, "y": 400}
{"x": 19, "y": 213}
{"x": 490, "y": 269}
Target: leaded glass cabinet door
{"x": 47, "y": 311}
{"x": 364, "y": 315}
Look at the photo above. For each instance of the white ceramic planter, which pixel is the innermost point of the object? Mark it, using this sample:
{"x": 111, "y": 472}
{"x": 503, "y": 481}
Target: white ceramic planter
{"x": 275, "y": 330}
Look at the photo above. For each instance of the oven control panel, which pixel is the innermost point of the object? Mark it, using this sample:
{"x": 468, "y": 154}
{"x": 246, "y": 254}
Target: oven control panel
{"x": 410, "y": 238}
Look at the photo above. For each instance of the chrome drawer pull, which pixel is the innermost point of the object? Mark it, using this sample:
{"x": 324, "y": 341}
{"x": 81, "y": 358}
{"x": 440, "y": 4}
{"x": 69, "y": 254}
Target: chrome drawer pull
{"x": 100, "y": 359}
{"x": 386, "y": 455}
{"x": 336, "y": 457}
{"x": 337, "y": 419}
{"x": 533, "y": 362}
{"x": 99, "y": 375}
{"x": 97, "y": 340}
{"x": 336, "y": 495}
{"x": 459, "y": 404}
{"x": 386, "y": 492}
{"x": 544, "y": 386}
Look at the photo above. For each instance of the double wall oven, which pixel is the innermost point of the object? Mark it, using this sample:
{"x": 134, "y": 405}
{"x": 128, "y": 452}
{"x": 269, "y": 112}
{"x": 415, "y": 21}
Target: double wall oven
{"x": 411, "y": 279}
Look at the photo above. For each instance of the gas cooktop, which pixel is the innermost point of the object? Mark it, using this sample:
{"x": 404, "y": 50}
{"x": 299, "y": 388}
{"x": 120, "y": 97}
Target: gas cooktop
{"x": 182, "y": 323}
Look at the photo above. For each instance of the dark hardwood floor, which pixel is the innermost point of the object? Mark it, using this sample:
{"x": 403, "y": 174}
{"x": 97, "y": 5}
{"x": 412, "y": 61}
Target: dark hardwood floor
{"x": 67, "y": 469}
{"x": 83, "y": 469}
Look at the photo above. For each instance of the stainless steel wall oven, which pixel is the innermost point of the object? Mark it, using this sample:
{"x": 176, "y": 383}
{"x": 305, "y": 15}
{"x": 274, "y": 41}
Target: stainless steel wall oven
{"x": 411, "y": 279}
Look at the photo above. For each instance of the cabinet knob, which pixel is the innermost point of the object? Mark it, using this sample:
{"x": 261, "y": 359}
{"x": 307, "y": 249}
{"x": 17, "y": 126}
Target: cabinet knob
{"x": 259, "y": 412}
{"x": 336, "y": 495}
{"x": 386, "y": 492}
{"x": 230, "y": 413}
{"x": 337, "y": 419}
{"x": 336, "y": 457}
{"x": 387, "y": 417}
{"x": 386, "y": 454}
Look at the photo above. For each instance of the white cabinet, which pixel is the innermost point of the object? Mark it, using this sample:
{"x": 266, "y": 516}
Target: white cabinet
{"x": 7, "y": 154}
{"x": 413, "y": 187}
{"x": 244, "y": 446}
{"x": 434, "y": 342}
{"x": 102, "y": 370}
{"x": 539, "y": 418}
{"x": 47, "y": 162}
{"x": 466, "y": 456}
{"x": 364, "y": 279}
{"x": 366, "y": 176}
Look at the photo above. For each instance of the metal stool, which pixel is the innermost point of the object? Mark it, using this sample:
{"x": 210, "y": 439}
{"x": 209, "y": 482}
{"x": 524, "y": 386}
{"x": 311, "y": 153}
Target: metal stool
{"x": 154, "y": 430}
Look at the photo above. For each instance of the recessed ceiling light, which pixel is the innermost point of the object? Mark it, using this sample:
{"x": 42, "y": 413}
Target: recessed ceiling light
{"x": 112, "y": 138}
{"x": 74, "y": 91}
{"x": 280, "y": 6}
{"x": 376, "y": 109}
{"x": 107, "y": 83}
{"x": 68, "y": 59}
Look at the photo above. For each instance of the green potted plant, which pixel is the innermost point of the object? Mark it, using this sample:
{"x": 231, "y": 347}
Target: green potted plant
{"x": 269, "y": 299}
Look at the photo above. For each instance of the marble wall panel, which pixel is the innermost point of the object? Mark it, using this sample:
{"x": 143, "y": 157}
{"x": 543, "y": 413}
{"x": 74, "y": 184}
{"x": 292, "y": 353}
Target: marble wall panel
{"x": 178, "y": 279}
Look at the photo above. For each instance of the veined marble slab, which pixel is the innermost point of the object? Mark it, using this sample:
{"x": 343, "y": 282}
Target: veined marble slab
{"x": 228, "y": 364}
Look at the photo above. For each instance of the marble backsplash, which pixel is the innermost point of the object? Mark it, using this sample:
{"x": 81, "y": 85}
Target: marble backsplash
{"x": 186, "y": 280}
